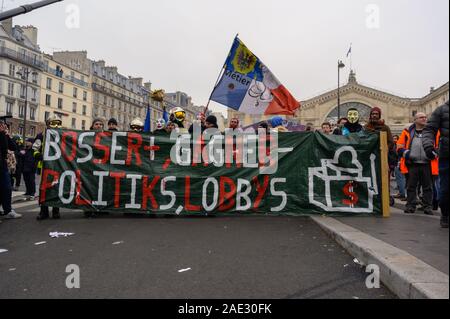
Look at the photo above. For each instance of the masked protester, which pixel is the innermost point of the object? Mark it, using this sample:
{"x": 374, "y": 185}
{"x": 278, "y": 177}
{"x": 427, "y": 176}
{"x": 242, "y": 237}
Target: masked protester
{"x": 137, "y": 125}
{"x": 178, "y": 116}
{"x": 160, "y": 127}
{"x": 352, "y": 126}
{"x": 52, "y": 122}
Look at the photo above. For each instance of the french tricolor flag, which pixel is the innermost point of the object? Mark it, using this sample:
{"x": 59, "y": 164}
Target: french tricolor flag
{"x": 248, "y": 86}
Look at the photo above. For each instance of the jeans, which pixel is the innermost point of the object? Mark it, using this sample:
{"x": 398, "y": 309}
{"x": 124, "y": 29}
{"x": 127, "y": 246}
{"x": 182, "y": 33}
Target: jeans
{"x": 30, "y": 183}
{"x": 443, "y": 176}
{"x": 420, "y": 174}
{"x": 5, "y": 191}
{"x": 401, "y": 182}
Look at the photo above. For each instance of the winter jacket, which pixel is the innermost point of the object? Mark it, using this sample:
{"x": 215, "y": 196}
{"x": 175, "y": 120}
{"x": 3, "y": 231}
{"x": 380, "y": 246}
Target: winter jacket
{"x": 437, "y": 122}
{"x": 6, "y": 143}
{"x": 380, "y": 126}
{"x": 404, "y": 145}
{"x": 28, "y": 161}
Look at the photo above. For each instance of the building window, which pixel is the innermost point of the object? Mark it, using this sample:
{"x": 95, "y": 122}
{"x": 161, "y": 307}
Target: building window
{"x": 60, "y": 103}
{"x": 61, "y": 87}
{"x": 20, "y": 130}
{"x": 74, "y": 123}
{"x": 48, "y": 99}
{"x": 414, "y": 113}
{"x": 11, "y": 89}
{"x": 12, "y": 70}
{"x": 49, "y": 84}
{"x": 46, "y": 116}
{"x": 33, "y": 94}
{"x": 84, "y": 96}
{"x": 84, "y": 109}
{"x": 34, "y": 78}
{"x": 22, "y": 91}
{"x": 83, "y": 125}
{"x": 32, "y": 131}
{"x": 33, "y": 113}
{"x": 9, "y": 108}
{"x": 104, "y": 113}
{"x": 74, "y": 107}
{"x": 75, "y": 92}
{"x": 21, "y": 111}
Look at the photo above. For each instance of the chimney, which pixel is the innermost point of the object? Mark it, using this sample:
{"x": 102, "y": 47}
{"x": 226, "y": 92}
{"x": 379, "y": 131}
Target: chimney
{"x": 101, "y": 63}
{"x": 8, "y": 26}
{"x": 31, "y": 33}
{"x": 432, "y": 89}
{"x": 148, "y": 85}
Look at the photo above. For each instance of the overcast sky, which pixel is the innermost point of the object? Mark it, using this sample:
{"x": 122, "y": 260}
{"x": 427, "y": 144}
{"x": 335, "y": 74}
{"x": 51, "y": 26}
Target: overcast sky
{"x": 182, "y": 44}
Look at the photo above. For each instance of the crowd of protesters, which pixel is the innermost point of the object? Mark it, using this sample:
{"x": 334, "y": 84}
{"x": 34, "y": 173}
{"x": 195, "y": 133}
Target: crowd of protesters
{"x": 418, "y": 158}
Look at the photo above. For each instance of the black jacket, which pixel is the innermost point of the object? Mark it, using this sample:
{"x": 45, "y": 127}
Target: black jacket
{"x": 28, "y": 161}
{"x": 438, "y": 121}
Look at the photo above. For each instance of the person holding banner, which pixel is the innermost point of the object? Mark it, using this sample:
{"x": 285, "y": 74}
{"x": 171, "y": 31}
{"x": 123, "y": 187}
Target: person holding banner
{"x": 97, "y": 125}
{"x": 137, "y": 125}
{"x": 52, "y": 122}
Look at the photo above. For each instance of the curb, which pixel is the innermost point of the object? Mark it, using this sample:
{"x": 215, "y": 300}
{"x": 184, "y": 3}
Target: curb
{"x": 405, "y": 275}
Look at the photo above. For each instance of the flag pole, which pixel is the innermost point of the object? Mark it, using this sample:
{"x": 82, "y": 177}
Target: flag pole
{"x": 218, "y": 78}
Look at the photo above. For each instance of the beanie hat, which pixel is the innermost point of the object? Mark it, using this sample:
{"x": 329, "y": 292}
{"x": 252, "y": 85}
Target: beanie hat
{"x": 375, "y": 109}
{"x": 212, "y": 120}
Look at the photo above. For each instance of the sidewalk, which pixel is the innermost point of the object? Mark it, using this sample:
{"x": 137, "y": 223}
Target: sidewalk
{"x": 411, "y": 250}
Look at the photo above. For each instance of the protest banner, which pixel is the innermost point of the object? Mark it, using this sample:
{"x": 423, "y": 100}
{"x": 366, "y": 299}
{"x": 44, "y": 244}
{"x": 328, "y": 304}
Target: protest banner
{"x": 298, "y": 173}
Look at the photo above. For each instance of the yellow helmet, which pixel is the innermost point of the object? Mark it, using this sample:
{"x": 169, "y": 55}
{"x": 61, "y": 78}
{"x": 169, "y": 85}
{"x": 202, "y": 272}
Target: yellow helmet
{"x": 178, "y": 113}
{"x": 53, "y": 122}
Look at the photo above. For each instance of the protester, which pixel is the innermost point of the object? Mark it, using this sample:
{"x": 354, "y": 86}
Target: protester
{"x": 439, "y": 122}
{"x": 376, "y": 124}
{"x": 171, "y": 126}
{"x": 340, "y": 126}
{"x": 277, "y": 124}
{"x": 352, "y": 126}
{"x": 137, "y": 125}
{"x": 178, "y": 116}
{"x": 6, "y": 144}
{"x": 399, "y": 177}
{"x": 160, "y": 127}
{"x": 112, "y": 125}
{"x": 326, "y": 128}
{"x": 235, "y": 125}
{"x": 52, "y": 122}
{"x": 17, "y": 177}
{"x": 417, "y": 165}
{"x": 29, "y": 169}
{"x": 211, "y": 122}
{"x": 97, "y": 125}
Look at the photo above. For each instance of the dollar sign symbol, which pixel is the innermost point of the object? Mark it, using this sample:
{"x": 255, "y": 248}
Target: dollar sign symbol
{"x": 349, "y": 191}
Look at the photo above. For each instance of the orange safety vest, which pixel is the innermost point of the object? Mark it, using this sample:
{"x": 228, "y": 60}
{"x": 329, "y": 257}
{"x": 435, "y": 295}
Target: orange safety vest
{"x": 404, "y": 143}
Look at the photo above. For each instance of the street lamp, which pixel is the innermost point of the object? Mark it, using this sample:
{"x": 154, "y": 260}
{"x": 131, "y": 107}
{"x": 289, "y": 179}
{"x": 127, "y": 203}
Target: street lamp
{"x": 24, "y": 75}
{"x": 341, "y": 65}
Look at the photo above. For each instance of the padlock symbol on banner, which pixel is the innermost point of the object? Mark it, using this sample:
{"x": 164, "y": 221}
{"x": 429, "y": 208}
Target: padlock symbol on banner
{"x": 343, "y": 189}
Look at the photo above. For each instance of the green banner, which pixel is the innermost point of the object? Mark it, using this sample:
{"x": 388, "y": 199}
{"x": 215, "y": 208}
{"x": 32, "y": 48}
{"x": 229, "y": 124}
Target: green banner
{"x": 300, "y": 174}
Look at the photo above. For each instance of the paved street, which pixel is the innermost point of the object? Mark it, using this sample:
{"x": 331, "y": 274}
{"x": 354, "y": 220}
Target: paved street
{"x": 132, "y": 257}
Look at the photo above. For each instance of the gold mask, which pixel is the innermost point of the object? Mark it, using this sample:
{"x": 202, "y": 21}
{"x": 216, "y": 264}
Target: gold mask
{"x": 353, "y": 116}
